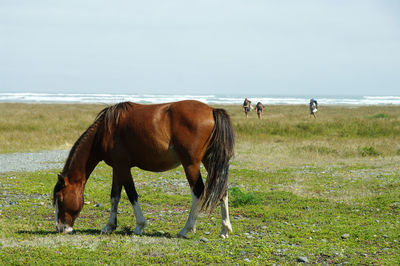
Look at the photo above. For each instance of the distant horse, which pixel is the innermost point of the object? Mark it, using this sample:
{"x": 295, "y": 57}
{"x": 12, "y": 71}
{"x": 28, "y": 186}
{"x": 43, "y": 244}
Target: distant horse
{"x": 155, "y": 138}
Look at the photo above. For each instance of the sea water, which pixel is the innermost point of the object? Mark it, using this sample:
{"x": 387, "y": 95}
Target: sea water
{"x": 210, "y": 99}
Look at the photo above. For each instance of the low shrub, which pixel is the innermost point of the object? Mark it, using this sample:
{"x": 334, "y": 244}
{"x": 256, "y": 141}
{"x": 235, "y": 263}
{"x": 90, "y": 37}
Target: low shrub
{"x": 379, "y": 116}
{"x": 240, "y": 198}
{"x": 368, "y": 151}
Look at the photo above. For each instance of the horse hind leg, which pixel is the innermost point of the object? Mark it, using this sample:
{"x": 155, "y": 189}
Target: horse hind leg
{"x": 226, "y": 226}
{"x": 226, "y": 223}
{"x": 197, "y": 187}
{"x": 115, "y": 197}
{"x": 190, "y": 225}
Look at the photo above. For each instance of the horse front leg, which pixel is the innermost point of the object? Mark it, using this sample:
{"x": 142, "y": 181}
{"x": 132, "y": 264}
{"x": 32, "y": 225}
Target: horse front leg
{"x": 226, "y": 223}
{"x": 140, "y": 220}
{"x": 133, "y": 198}
{"x": 115, "y": 197}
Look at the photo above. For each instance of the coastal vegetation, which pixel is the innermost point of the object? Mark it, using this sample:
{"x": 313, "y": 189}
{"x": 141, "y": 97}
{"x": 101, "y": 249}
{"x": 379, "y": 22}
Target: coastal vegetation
{"x": 302, "y": 190}
{"x": 35, "y": 123}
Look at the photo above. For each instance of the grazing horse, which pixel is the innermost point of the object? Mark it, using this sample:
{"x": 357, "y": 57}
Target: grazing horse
{"x": 155, "y": 138}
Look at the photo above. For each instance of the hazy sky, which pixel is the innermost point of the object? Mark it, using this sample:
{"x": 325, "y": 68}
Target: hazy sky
{"x": 200, "y": 47}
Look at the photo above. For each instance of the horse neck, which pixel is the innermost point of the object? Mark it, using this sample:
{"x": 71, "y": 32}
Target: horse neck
{"x": 83, "y": 157}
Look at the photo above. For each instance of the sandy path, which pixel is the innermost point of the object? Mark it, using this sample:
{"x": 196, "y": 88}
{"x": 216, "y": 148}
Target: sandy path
{"x": 17, "y": 162}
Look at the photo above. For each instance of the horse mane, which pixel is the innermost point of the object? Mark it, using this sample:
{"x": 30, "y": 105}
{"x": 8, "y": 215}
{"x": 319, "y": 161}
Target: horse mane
{"x": 101, "y": 130}
{"x": 103, "y": 126}
{"x": 111, "y": 117}
{"x": 78, "y": 145}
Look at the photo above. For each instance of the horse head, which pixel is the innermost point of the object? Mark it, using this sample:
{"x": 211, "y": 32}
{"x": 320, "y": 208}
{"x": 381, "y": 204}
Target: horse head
{"x": 68, "y": 202}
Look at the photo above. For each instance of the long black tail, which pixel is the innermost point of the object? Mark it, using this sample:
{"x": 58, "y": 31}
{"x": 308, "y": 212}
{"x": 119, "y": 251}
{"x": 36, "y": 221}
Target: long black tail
{"x": 216, "y": 159}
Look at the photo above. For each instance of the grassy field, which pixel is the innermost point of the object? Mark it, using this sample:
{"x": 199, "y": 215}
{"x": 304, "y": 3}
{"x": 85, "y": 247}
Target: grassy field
{"x": 324, "y": 191}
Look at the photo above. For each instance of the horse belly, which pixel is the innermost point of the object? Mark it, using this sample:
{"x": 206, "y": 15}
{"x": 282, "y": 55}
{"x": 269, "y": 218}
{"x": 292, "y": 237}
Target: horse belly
{"x": 158, "y": 161}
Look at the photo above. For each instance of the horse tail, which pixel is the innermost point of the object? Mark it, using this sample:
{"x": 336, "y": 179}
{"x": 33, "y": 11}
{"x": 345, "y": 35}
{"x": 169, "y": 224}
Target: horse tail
{"x": 216, "y": 159}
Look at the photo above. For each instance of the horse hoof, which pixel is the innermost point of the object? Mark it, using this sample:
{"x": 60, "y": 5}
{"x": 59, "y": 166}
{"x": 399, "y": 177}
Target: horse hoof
{"x": 223, "y": 236}
{"x": 137, "y": 232}
{"x": 139, "y": 228}
{"x": 182, "y": 236}
{"x": 69, "y": 231}
{"x": 224, "y": 232}
{"x": 107, "y": 230}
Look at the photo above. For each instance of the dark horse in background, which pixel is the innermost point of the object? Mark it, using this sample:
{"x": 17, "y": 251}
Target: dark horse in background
{"x": 154, "y": 138}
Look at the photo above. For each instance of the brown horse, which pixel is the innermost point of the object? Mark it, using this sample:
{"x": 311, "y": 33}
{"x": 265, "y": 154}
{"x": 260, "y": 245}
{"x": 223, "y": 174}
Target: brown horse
{"x": 154, "y": 138}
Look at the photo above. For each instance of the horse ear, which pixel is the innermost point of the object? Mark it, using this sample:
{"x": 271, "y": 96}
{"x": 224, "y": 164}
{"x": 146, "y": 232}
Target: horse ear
{"x": 59, "y": 186}
{"x": 62, "y": 180}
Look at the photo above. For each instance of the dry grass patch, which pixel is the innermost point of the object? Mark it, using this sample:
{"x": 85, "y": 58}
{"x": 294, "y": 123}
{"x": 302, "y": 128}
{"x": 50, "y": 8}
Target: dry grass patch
{"x": 33, "y": 127}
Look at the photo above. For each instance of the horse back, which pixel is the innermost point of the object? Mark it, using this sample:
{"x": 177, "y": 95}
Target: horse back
{"x": 161, "y": 136}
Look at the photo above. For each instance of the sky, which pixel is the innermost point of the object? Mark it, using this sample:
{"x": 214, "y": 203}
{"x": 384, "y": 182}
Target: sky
{"x": 257, "y": 47}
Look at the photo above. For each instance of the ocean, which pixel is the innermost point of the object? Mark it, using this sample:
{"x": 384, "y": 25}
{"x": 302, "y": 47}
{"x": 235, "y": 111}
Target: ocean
{"x": 210, "y": 99}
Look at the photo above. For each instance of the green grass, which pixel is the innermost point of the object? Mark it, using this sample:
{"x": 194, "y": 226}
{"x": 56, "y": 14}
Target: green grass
{"x": 327, "y": 189}
{"x": 277, "y": 216}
